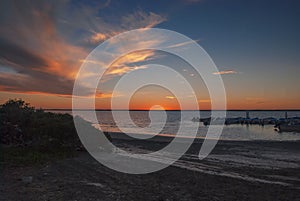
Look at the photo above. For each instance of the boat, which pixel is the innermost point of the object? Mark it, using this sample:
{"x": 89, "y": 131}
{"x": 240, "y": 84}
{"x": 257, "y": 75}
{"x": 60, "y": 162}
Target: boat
{"x": 289, "y": 128}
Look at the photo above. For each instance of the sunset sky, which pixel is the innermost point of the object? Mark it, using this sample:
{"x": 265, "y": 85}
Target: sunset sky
{"x": 255, "y": 44}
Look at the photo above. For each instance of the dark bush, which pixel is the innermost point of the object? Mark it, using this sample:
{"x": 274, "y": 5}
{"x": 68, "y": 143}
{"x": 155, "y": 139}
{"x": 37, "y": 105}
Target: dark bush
{"x": 23, "y": 125}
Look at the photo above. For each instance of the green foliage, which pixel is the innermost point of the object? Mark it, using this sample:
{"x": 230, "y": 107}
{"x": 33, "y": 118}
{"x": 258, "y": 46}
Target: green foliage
{"x": 16, "y": 111}
{"x": 23, "y": 125}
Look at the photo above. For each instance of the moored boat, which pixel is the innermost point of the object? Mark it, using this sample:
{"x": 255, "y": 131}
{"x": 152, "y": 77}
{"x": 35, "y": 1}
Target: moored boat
{"x": 289, "y": 128}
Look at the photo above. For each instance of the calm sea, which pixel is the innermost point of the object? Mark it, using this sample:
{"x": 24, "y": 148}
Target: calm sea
{"x": 167, "y": 123}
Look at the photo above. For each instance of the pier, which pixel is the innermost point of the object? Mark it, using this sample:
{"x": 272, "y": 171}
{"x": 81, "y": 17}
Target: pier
{"x": 286, "y": 124}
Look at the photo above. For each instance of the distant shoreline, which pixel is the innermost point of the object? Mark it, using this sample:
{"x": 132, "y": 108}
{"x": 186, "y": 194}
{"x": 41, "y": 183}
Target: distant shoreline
{"x": 233, "y": 110}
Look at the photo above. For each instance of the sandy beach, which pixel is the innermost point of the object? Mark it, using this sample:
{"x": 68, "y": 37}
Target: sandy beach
{"x": 235, "y": 170}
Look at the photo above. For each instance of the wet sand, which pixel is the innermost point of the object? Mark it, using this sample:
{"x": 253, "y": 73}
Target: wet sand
{"x": 250, "y": 170}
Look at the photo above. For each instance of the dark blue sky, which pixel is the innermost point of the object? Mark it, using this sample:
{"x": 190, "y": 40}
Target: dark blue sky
{"x": 252, "y": 31}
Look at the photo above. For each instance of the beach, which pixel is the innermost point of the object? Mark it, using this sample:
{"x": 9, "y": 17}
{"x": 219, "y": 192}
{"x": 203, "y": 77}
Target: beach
{"x": 235, "y": 170}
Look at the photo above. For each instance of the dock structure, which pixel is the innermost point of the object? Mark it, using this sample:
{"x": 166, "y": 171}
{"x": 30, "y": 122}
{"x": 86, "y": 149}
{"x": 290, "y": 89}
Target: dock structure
{"x": 247, "y": 115}
{"x": 284, "y": 124}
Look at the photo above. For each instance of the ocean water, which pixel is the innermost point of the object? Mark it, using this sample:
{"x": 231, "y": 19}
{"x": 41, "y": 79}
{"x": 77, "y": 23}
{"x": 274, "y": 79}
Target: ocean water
{"x": 168, "y": 123}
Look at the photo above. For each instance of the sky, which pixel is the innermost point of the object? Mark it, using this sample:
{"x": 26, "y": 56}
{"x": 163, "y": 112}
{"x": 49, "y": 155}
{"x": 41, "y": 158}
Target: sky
{"x": 254, "y": 44}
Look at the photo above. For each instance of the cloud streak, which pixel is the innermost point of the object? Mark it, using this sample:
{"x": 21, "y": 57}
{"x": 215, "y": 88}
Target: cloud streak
{"x": 225, "y": 72}
{"x": 170, "y": 97}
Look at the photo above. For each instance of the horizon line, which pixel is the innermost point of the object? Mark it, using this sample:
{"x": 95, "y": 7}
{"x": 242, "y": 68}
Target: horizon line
{"x": 65, "y": 109}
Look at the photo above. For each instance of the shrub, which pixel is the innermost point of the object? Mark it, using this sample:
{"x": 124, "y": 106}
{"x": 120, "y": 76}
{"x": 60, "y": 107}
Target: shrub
{"x": 23, "y": 125}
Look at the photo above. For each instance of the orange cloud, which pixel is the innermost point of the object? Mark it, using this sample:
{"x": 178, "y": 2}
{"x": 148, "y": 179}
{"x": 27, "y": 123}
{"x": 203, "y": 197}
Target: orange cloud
{"x": 225, "y": 72}
{"x": 170, "y": 97}
{"x": 128, "y": 63}
{"x": 97, "y": 37}
{"x": 134, "y": 57}
{"x": 204, "y": 101}
{"x": 103, "y": 95}
{"x": 41, "y": 48}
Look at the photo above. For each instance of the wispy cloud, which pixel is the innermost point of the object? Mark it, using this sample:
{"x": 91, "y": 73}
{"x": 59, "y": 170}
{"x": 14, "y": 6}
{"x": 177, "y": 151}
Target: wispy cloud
{"x": 133, "y": 58}
{"x": 45, "y": 46}
{"x": 141, "y": 19}
{"x": 204, "y": 100}
{"x": 127, "y": 63}
{"x": 170, "y": 97}
{"x": 225, "y": 72}
{"x": 183, "y": 44}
